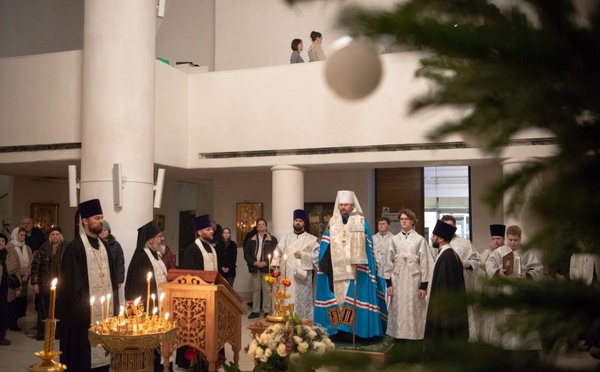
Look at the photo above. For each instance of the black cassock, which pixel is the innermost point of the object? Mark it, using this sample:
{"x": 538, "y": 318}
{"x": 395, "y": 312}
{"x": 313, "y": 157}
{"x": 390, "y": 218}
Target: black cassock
{"x": 136, "y": 284}
{"x": 447, "y": 316}
{"x": 73, "y": 304}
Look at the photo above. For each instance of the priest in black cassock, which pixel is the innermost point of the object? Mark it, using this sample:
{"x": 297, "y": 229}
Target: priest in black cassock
{"x": 87, "y": 270}
{"x": 200, "y": 255}
{"x": 447, "y": 310}
{"x": 145, "y": 259}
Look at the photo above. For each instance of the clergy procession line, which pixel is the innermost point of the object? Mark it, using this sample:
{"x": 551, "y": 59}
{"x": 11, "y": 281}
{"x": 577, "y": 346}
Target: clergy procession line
{"x": 357, "y": 285}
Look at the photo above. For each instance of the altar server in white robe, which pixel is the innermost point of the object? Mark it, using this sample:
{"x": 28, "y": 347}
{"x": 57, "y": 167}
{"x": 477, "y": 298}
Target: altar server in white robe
{"x": 527, "y": 266}
{"x": 407, "y": 272}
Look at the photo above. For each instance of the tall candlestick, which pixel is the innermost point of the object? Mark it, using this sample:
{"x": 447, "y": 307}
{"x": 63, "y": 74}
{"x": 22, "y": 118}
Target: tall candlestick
{"x": 52, "y": 299}
{"x": 148, "y": 293}
{"x": 92, "y": 300}
{"x": 102, "y": 308}
{"x": 108, "y": 296}
{"x": 153, "y": 300}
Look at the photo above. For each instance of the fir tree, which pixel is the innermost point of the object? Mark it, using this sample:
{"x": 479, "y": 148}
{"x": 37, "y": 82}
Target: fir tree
{"x": 530, "y": 65}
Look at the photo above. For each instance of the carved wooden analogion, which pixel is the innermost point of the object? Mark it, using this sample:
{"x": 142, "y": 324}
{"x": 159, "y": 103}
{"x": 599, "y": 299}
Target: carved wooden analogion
{"x": 207, "y": 313}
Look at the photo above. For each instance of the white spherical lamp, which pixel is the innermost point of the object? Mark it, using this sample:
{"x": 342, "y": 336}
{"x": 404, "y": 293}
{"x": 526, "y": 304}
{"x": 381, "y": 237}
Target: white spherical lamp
{"x": 354, "y": 70}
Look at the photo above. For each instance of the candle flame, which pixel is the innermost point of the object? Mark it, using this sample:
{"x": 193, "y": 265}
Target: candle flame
{"x": 149, "y": 275}
{"x": 102, "y": 299}
{"x": 122, "y": 310}
{"x": 54, "y": 283}
{"x": 154, "y": 311}
{"x": 92, "y": 300}
{"x": 135, "y": 302}
{"x": 108, "y": 296}
{"x": 152, "y": 296}
{"x": 162, "y": 296}
{"x": 167, "y": 316}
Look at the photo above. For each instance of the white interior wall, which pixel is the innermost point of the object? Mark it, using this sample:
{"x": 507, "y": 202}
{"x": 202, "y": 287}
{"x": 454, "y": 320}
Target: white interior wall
{"x": 481, "y": 215}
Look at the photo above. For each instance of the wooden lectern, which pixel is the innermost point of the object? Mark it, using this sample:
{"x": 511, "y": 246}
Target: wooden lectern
{"x": 207, "y": 313}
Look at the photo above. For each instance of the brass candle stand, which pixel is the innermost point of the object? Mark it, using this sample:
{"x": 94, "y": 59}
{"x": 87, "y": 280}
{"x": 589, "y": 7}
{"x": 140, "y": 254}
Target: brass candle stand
{"x": 48, "y": 354}
{"x": 280, "y": 295}
{"x": 131, "y": 339}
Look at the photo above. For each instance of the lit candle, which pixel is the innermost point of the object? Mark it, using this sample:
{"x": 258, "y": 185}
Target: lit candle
{"x": 153, "y": 300}
{"x": 167, "y": 316}
{"x": 160, "y": 303}
{"x": 102, "y": 308}
{"x": 148, "y": 293}
{"x": 154, "y": 311}
{"x": 92, "y": 300}
{"x": 269, "y": 264}
{"x": 52, "y": 298}
{"x": 108, "y": 296}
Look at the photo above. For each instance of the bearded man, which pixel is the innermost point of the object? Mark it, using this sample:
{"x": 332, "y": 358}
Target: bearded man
{"x": 145, "y": 259}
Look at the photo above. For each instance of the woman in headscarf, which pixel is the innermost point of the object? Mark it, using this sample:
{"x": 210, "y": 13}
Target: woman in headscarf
{"x": 25, "y": 258}
{"x": 9, "y": 265}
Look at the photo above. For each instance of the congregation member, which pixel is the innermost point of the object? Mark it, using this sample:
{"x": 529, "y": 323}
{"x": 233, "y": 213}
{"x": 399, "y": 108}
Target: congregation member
{"x": 382, "y": 244}
{"x": 44, "y": 268}
{"x": 25, "y": 255}
{"x": 227, "y": 256}
{"x": 446, "y": 320}
{"x": 116, "y": 252}
{"x": 469, "y": 258}
{"x": 297, "y": 254}
{"x": 87, "y": 270}
{"x": 347, "y": 276}
{"x": 9, "y": 283}
{"x": 34, "y": 236}
{"x": 527, "y": 266}
{"x": 169, "y": 258}
{"x": 408, "y": 271}
{"x": 256, "y": 253}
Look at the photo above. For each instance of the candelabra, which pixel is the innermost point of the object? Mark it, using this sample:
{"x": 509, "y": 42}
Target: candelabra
{"x": 132, "y": 337}
{"x": 279, "y": 292}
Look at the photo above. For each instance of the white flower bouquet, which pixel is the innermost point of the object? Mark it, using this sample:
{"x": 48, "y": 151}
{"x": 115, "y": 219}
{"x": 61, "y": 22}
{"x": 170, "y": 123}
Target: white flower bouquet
{"x": 272, "y": 349}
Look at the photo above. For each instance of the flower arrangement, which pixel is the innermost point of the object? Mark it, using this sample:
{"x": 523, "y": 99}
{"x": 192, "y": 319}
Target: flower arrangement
{"x": 271, "y": 350}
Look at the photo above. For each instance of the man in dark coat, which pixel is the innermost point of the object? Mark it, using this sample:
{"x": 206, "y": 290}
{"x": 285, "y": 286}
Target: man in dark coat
{"x": 77, "y": 283}
{"x": 145, "y": 260}
{"x": 447, "y": 312}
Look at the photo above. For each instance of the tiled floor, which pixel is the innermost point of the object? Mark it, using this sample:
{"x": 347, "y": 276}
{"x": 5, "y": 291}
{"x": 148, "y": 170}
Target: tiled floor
{"x": 19, "y": 356}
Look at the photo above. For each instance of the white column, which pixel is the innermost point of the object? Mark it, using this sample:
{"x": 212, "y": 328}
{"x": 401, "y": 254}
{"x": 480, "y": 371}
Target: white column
{"x": 118, "y": 111}
{"x": 288, "y": 195}
{"x": 524, "y": 218}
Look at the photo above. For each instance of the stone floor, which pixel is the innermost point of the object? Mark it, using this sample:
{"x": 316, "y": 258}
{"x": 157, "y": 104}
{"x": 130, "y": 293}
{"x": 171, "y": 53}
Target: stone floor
{"x": 19, "y": 356}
